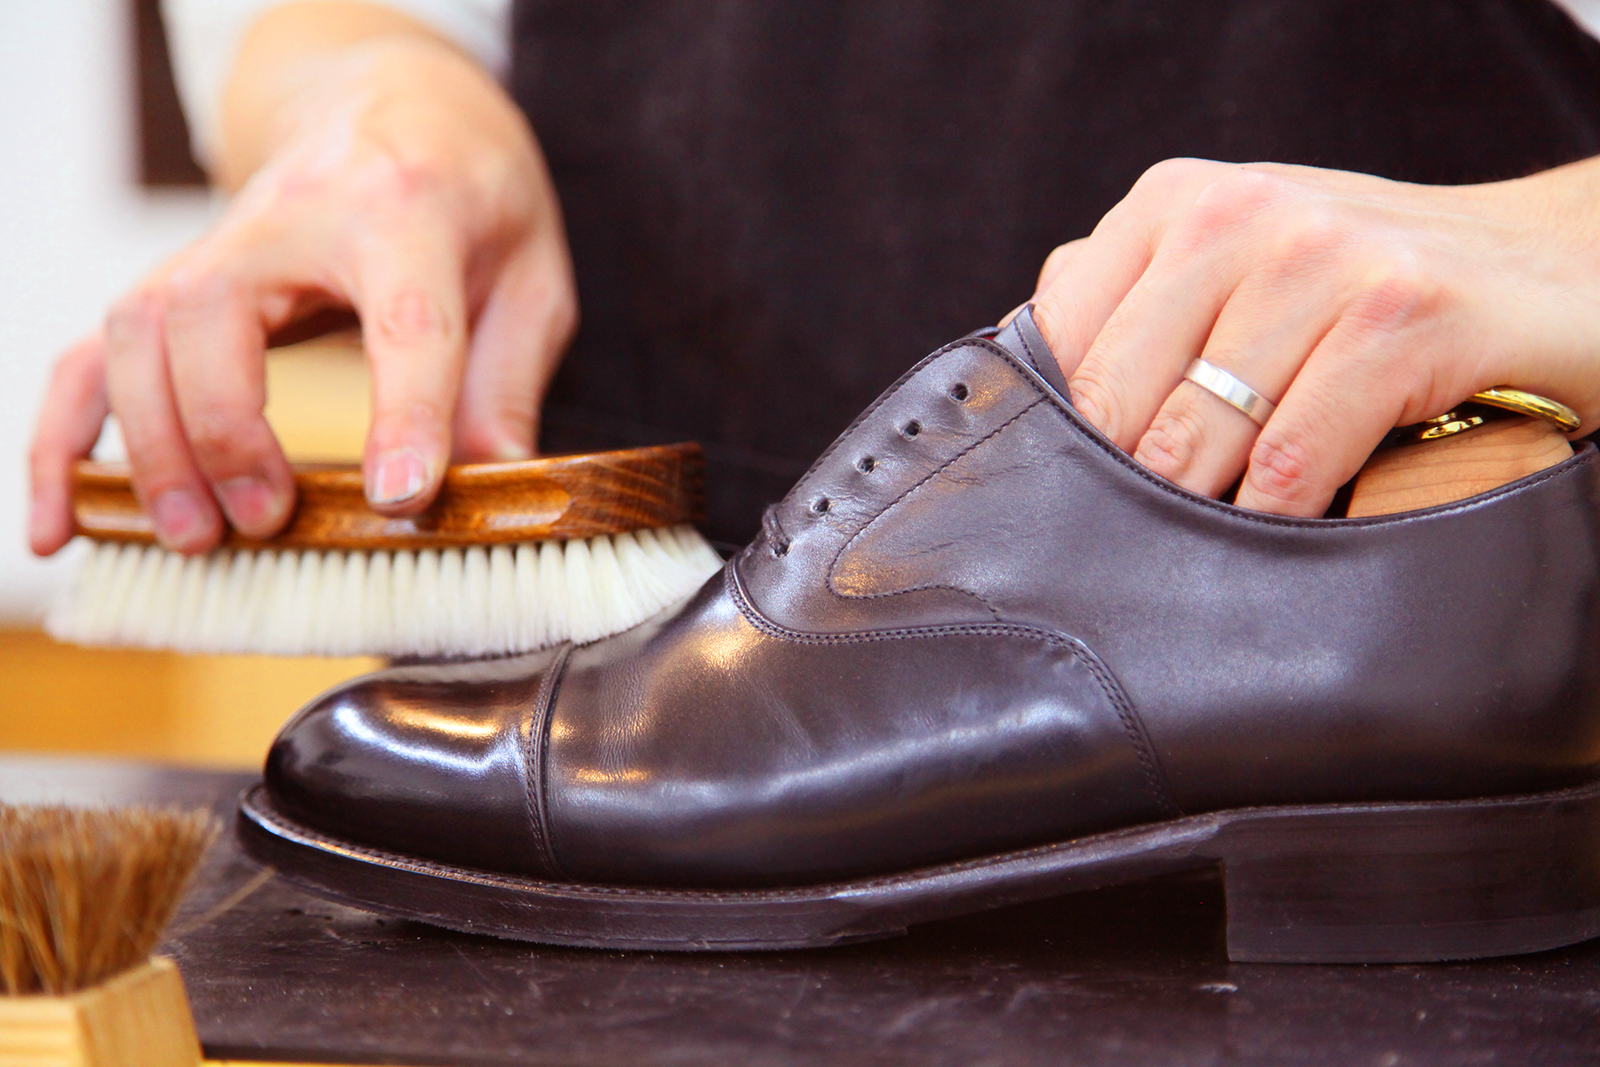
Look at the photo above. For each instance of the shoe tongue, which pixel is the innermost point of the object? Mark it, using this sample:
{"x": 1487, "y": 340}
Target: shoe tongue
{"x": 1021, "y": 337}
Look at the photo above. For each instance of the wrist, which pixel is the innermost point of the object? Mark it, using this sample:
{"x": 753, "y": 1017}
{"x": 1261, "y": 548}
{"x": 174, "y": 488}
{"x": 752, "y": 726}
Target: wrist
{"x": 1563, "y": 202}
{"x": 304, "y": 62}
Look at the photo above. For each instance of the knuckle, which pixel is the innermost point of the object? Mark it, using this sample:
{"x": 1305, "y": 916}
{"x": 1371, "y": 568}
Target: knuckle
{"x": 414, "y": 316}
{"x": 213, "y": 432}
{"x": 1280, "y": 468}
{"x": 1319, "y": 231}
{"x": 1095, "y": 387}
{"x": 559, "y": 298}
{"x": 197, "y": 287}
{"x": 1243, "y": 189}
{"x": 75, "y": 373}
{"x": 1169, "y": 175}
{"x": 1232, "y": 199}
{"x": 133, "y": 315}
{"x": 487, "y": 437}
{"x": 389, "y": 177}
{"x": 397, "y": 421}
{"x": 1160, "y": 185}
{"x": 1055, "y": 261}
{"x": 1174, "y": 440}
{"x": 1394, "y": 294}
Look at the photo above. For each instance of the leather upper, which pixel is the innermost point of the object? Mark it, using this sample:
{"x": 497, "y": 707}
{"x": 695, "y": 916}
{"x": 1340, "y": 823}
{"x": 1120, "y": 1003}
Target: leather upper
{"x": 976, "y": 625}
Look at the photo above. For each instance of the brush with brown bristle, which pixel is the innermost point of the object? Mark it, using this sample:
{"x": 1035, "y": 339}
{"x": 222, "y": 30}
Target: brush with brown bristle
{"x": 84, "y": 896}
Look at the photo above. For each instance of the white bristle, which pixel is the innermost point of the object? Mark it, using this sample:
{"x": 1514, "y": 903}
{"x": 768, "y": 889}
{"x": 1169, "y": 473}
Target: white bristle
{"x": 502, "y": 592}
{"x": 403, "y": 581}
{"x": 433, "y": 602}
{"x": 375, "y": 598}
{"x": 552, "y": 576}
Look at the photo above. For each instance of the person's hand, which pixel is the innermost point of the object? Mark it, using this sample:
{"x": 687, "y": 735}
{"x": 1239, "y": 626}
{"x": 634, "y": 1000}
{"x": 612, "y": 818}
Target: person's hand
{"x": 389, "y": 175}
{"x": 1354, "y": 303}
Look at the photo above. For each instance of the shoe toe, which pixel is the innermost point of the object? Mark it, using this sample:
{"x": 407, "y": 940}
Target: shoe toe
{"x": 425, "y": 761}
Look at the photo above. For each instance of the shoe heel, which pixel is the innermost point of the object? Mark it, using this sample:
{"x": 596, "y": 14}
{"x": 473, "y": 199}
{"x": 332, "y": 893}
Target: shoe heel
{"x": 1397, "y": 883}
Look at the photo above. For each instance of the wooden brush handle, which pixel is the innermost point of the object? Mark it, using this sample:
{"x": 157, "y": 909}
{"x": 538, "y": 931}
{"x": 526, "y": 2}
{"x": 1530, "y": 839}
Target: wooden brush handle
{"x": 554, "y": 498}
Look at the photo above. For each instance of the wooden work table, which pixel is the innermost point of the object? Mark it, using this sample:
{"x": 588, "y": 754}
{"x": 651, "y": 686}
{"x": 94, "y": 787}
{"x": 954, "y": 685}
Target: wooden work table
{"x": 1130, "y": 975}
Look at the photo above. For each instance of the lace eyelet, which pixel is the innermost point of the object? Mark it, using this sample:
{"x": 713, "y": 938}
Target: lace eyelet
{"x": 780, "y": 549}
{"x": 865, "y": 464}
{"x": 820, "y": 506}
{"x": 959, "y": 393}
{"x": 912, "y": 428}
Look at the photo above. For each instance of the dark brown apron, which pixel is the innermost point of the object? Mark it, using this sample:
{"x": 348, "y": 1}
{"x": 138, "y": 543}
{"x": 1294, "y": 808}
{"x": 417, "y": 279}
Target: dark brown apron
{"x": 776, "y": 206}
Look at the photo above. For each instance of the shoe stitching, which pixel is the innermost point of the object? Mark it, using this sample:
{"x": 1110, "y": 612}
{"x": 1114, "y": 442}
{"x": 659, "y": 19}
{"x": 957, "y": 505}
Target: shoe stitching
{"x": 1033, "y": 357}
{"x": 834, "y": 563}
{"x": 1132, "y": 726}
{"x": 1204, "y": 823}
{"x": 887, "y": 395}
{"x": 535, "y": 742}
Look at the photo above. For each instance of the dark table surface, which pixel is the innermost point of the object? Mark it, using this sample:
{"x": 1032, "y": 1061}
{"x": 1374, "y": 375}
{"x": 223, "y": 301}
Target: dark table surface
{"x": 1135, "y": 975}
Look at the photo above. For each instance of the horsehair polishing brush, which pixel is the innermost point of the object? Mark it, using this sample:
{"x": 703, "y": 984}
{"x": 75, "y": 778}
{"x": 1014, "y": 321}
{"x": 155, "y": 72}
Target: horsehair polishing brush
{"x": 510, "y": 557}
{"x": 84, "y": 896}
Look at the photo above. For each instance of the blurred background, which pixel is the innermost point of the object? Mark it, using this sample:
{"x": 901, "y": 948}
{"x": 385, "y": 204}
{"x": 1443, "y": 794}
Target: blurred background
{"x": 97, "y": 186}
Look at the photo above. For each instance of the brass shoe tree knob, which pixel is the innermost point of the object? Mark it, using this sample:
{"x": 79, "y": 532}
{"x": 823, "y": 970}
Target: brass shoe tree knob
{"x": 1499, "y": 436}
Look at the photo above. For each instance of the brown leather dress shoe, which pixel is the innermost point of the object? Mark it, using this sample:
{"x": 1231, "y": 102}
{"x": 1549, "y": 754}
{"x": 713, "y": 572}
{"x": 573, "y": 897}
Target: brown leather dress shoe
{"x": 980, "y": 656}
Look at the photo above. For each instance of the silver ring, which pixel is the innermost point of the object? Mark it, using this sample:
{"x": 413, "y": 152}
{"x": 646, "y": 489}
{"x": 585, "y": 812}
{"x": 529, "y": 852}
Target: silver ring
{"x": 1225, "y": 387}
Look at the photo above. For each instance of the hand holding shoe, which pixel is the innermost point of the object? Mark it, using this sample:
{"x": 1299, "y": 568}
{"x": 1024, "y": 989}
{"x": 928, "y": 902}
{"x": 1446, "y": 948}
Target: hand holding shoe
{"x": 1354, "y": 303}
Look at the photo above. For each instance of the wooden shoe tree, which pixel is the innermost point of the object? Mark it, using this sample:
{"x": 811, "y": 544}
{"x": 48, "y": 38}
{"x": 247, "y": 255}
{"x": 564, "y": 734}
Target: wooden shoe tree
{"x": 1429, "y": 473}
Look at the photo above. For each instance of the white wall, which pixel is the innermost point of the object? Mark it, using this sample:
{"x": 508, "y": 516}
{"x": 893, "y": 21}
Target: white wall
{"x": 75, "y": 229}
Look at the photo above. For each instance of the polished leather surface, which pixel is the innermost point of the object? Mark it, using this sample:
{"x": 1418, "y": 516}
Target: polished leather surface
{"x": 428, "y": 760}
{"x": 998, "y": 632}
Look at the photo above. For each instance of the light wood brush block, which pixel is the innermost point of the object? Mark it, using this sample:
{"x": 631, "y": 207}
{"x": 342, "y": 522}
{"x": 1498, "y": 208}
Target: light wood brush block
{"x": 139, "y": 1018}
{"x": 1430, "y": 473}
{"x": 553, "y": 498}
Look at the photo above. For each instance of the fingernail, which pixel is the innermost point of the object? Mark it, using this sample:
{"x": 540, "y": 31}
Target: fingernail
{"x": 250, "y": 503}
{"x": 512, "y": 452}
{"x": 399, "y": 476}
{"x": 178, "y": 517}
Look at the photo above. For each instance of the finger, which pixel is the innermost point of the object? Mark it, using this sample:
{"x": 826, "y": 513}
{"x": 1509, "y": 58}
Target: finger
{"x": 1057, "y": 261}
{"x": 1262, "y": 336}
{"x": 1054, "y": 264}
{"x": 1076, "y": 300}
{"x": 1086, "y": 288}
{"x": 166, "y": 479}
{"x": 1345, "y": 398}
{"x": 1140, "y": 354}
{"x": 1237, "y": 222}
{"x": 216, "y": 344}
{"x": 409, "y": 294}
{"x": 70, "y": 419}
{"x": 1198, "y": 441}
{"x": 521, "y": 334}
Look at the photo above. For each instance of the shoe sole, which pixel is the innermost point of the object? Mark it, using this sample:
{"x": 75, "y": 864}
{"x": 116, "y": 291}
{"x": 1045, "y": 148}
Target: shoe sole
{"x": 1333, "y": 883}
